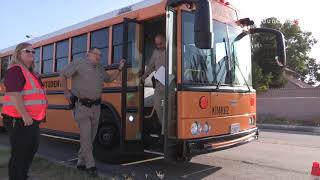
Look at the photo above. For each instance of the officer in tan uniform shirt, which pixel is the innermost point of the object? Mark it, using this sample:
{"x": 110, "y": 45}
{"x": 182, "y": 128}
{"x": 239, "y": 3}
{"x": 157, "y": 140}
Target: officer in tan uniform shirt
{"x": 88, "y": 76}
{"x": 156, "y": 61}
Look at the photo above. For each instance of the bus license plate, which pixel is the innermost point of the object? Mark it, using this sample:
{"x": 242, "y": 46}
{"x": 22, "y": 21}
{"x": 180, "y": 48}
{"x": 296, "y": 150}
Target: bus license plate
{"x": 235, "y": 128}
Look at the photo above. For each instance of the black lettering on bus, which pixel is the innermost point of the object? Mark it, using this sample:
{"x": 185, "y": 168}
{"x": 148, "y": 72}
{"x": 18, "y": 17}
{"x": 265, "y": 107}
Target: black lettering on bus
{"x": 220, "y": 110}
{"x": 52, "y": 84}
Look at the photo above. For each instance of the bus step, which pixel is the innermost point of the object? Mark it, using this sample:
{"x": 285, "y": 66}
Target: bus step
{"x": 154, "y": 135}
{"x": 153, "y": 152}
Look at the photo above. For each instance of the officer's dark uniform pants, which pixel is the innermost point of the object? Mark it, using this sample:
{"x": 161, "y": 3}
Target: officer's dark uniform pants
{"x": 24, "y": 141}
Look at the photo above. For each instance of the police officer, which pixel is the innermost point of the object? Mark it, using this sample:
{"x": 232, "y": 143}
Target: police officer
{"x": 87, "y": 76}
{"x": 156, "y": 61}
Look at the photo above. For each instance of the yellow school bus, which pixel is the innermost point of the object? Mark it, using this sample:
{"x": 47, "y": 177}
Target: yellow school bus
{"x": 209, "y": 101}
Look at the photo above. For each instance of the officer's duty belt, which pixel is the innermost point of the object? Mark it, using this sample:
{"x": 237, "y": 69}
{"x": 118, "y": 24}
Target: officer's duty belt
{"x": 89, "y": 102}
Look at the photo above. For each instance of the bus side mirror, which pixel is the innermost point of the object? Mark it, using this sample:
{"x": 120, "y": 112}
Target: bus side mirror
{"x": 203, "y": 25}
{"x": 281, "y": 50}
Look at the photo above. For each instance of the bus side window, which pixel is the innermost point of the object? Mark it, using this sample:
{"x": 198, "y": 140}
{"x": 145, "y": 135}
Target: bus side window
{"x": 47, "y": 58}
{"x": 100, "y": 39}
{"x": 4, "y": 65}
{"x": 37, "y": 60}
{"x": 62, "y": 52}
{"x": 117, "y": 43}
{"x": 79, "y": 47}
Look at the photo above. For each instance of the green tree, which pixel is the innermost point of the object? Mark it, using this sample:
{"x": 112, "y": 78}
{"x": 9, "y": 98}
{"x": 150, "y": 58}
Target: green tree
{"x": 314, "y": 74}
{"x": 298, "y": 46}
{"x": 260, "y": 80}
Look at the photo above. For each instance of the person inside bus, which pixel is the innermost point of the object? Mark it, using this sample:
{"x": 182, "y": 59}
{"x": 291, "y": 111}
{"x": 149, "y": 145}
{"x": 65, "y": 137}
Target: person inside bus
{"x": 88, "y": 76}
{"x": 24, "y": 107}
{"x": 155, "y": 62}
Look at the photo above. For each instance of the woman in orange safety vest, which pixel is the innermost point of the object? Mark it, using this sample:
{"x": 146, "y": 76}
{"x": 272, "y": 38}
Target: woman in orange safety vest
{"x": 23, "y": 107}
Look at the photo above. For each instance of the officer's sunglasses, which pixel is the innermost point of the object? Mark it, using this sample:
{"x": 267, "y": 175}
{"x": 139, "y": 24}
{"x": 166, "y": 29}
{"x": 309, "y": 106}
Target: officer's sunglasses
{"x": 29, "y": 51}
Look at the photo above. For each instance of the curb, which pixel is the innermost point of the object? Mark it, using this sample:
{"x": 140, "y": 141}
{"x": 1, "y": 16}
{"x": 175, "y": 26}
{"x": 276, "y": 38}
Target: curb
{"x": 309, "y": 129}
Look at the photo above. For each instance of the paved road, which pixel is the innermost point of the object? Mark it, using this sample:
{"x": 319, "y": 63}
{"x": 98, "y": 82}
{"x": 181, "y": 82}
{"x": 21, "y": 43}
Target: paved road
{"x": 276, "y": 155}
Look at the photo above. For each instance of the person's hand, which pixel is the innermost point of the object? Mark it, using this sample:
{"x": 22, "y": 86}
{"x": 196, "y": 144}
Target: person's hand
{"x": 67, "y": 96}
{"x": 27, "y": 121}
{"x": 122, "y": 62}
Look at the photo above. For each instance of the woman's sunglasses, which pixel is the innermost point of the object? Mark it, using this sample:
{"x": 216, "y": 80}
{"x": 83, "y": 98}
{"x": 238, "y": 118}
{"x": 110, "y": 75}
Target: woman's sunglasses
{"x": 29, "y": 51}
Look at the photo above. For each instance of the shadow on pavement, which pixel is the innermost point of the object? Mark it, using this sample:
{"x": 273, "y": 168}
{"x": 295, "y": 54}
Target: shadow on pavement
{"x": 142, "y": 167}
{"x": 161, "y": 169}
{"x": 155, "y": 167}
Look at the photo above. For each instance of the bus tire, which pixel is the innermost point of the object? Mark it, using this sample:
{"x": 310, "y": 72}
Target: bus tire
{"x": 106, "y": 146}
{"x": 183, "y": 153}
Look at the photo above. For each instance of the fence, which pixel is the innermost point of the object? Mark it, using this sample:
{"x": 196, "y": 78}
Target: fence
{"x": 289, "y": 106}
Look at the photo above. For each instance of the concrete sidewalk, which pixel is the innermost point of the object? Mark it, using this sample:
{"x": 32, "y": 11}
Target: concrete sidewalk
{"x": 306, "y": 129}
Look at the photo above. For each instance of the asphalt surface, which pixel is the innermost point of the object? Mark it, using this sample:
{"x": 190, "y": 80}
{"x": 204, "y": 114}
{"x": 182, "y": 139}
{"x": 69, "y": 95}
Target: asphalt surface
{"x": 274, "y": 156}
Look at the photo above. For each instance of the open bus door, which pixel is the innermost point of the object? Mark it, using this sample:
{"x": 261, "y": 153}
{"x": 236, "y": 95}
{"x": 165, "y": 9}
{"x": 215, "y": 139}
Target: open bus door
{"x": 132, "y": 90}
{"x": 170, "y": 99}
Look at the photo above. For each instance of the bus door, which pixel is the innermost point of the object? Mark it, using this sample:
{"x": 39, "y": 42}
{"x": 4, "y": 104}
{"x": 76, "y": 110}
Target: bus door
{"x": 132, "y": 90}
{"x": 170, "y": 105}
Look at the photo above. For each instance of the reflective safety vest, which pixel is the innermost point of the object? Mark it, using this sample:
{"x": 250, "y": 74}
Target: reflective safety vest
{"x": 33, "y": 95}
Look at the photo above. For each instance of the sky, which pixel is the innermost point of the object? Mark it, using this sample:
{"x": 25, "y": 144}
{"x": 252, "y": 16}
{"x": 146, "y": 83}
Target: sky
{"x": 37, "y": 17}
{"x": 19, "y": 18}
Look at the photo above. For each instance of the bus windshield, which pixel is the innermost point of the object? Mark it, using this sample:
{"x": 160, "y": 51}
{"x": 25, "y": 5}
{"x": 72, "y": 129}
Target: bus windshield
{"x": 215, "y": 66}
{"x": 241, "y": 57}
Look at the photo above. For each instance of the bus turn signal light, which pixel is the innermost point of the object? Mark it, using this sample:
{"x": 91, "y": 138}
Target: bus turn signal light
{"x": 203, "y": 102}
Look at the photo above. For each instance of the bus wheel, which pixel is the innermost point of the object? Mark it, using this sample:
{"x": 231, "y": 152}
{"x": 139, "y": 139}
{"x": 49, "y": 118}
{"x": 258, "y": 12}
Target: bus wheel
{"x": 108, "y": 135}
{"x": 106, "y": 145}
{"x": 183, "y": 152}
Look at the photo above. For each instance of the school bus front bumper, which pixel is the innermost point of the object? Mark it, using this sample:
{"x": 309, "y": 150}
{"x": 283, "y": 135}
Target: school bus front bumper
{"x": 217, "y": 143}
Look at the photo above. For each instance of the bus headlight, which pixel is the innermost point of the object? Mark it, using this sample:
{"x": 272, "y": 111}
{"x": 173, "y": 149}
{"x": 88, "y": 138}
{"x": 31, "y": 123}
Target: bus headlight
{"x": 206, "y": 128}
{"x": 131, "y": 118}
{"x": 195, "y": 128}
